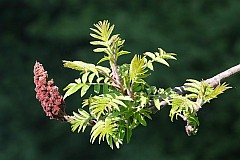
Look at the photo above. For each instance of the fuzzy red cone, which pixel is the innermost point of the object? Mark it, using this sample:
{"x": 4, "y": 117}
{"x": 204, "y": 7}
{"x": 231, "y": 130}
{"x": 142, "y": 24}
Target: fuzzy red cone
{"x": 48, "y": 94}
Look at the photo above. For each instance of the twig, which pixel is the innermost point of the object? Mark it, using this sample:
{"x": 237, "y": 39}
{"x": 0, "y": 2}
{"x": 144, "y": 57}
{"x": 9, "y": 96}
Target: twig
{"x": 214, "y": 81}
{"x": 68, "y": 118}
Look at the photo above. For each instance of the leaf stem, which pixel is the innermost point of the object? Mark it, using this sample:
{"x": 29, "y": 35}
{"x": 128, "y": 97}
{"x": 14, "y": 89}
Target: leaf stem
{"x": 70, "y": 118}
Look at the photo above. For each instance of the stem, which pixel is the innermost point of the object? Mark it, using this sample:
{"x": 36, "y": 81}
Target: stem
{"x": 68, "y": 118}
{"x": 116, "y": 76}
{"x": 214, "y": 81}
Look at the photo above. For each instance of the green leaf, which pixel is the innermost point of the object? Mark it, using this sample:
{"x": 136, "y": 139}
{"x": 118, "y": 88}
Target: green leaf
{"x": 105, "y": 88}
{"x": 95, "y": 30}
{"x": 70, "y": 85}
{"x": 104, "y": 70}
{"x": 165, "y": 55}
{"x": 84, "y": 89}
{"x": 151, "y": 55}
{"x": 99, "y": 79}
{"x": 160, "y": 57}
{"x": 103, "y": 30}
{"x": 129, "y": 134}
{"x": 81, "y": 66}
{"x": 161, "y": 60}
{"x": 193, "y": 84}
{"x": 150, "y": 65}
{"x": 91, "y": 77}
{"x": 99, "y": 50}
{"x": 137, "y": 68}
{"x": 119, "y": 102}
{"x": 96, "y": 130}
{"x": 157, "y": 102}
{"x": 181, "y": 105}
{"x": 141, "y": 120}
{"x": 117, "y": 142}
{"x": 72, "y": 90}
{"x": 143, "y": 100}
{"x": 80, "y": 120}
{"x": 110, "y": 141}
{"x": 146, "y": 112}
{"x": 123, "y": 53}
{"x": 193, "y": 90}
{"x": 99, "y": 105}
{"x": 97, "y": 88}
{"x": 84, "y": 77}
{"x": 169, "y": 56}
{"x": 105, "y": 58}
{"x": 99, "y": 43}
{"x": 106, "y": 129}
{"x": 95, "y": 36}
{"x": 194, "y": 120}
{"x": 137, "y": 88}
{"x": 218, "y": 90}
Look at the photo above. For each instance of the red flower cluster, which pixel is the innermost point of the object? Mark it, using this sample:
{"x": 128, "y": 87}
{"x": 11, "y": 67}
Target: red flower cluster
{"x": 51, "y": 100}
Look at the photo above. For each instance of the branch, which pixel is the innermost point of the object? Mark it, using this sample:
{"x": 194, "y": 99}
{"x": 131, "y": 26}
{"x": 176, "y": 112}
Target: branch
{"x": 213, "y": 81}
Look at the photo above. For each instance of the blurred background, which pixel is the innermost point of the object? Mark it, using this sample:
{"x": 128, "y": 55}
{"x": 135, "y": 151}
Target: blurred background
{"x": 204, "y": 34}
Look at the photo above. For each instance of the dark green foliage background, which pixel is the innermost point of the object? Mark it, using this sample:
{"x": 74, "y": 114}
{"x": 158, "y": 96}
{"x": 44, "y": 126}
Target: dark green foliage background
{"x": 204, "y": 34}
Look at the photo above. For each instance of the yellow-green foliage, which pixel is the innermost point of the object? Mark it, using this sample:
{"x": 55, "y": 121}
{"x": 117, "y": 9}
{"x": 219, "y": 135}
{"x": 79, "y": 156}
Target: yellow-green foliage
{"x": 122, "y": 98}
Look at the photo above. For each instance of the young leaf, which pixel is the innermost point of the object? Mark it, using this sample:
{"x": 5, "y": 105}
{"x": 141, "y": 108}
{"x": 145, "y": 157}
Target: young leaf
{"x": 84, "y": 77}
{"x": 165, "y": 55}
{"x": 99, "y": 105}
{"x": 97, "y": 88}
{"x": 103, "y": 30}
{"x": 105, "y": 58}
{"x": 109, "y": 141}
{"x": 81, "y": 66}
{"x": 105, "y": 129}
{"x": 129, "y": 134}
{"x": 137, "y": 68}
{"x": 119, "y": 102}
{"x": 143, "y": 100}
{"x": 146, "y": 112}
{"x": 156, "y": 102}
{"x": 91, "y": 77}
{"x": 80, "y": 120}
{"x": 95, "y": 36}
{"x": 73, "y": 89}
{"x": 218, "y": 90}
{"x": 193, "y": 119}
{"x": 123, "y": 53}
{"x": 161, "y": 60}
{"x": 99, "y": 43}
{"x": 150, "y": 65}
{"x": 141, "y": 120}
{"x": 151, "y": 55}
{"x": 70, "y": 85}
{"x": 104, "y": 70}
{"x": 105, "y": 88}
{"x": 84, "y": 89}
{"x": 99, "y": 79}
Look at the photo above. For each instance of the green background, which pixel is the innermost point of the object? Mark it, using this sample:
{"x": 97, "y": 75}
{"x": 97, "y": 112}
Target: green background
{"x": 205, "y": 35}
